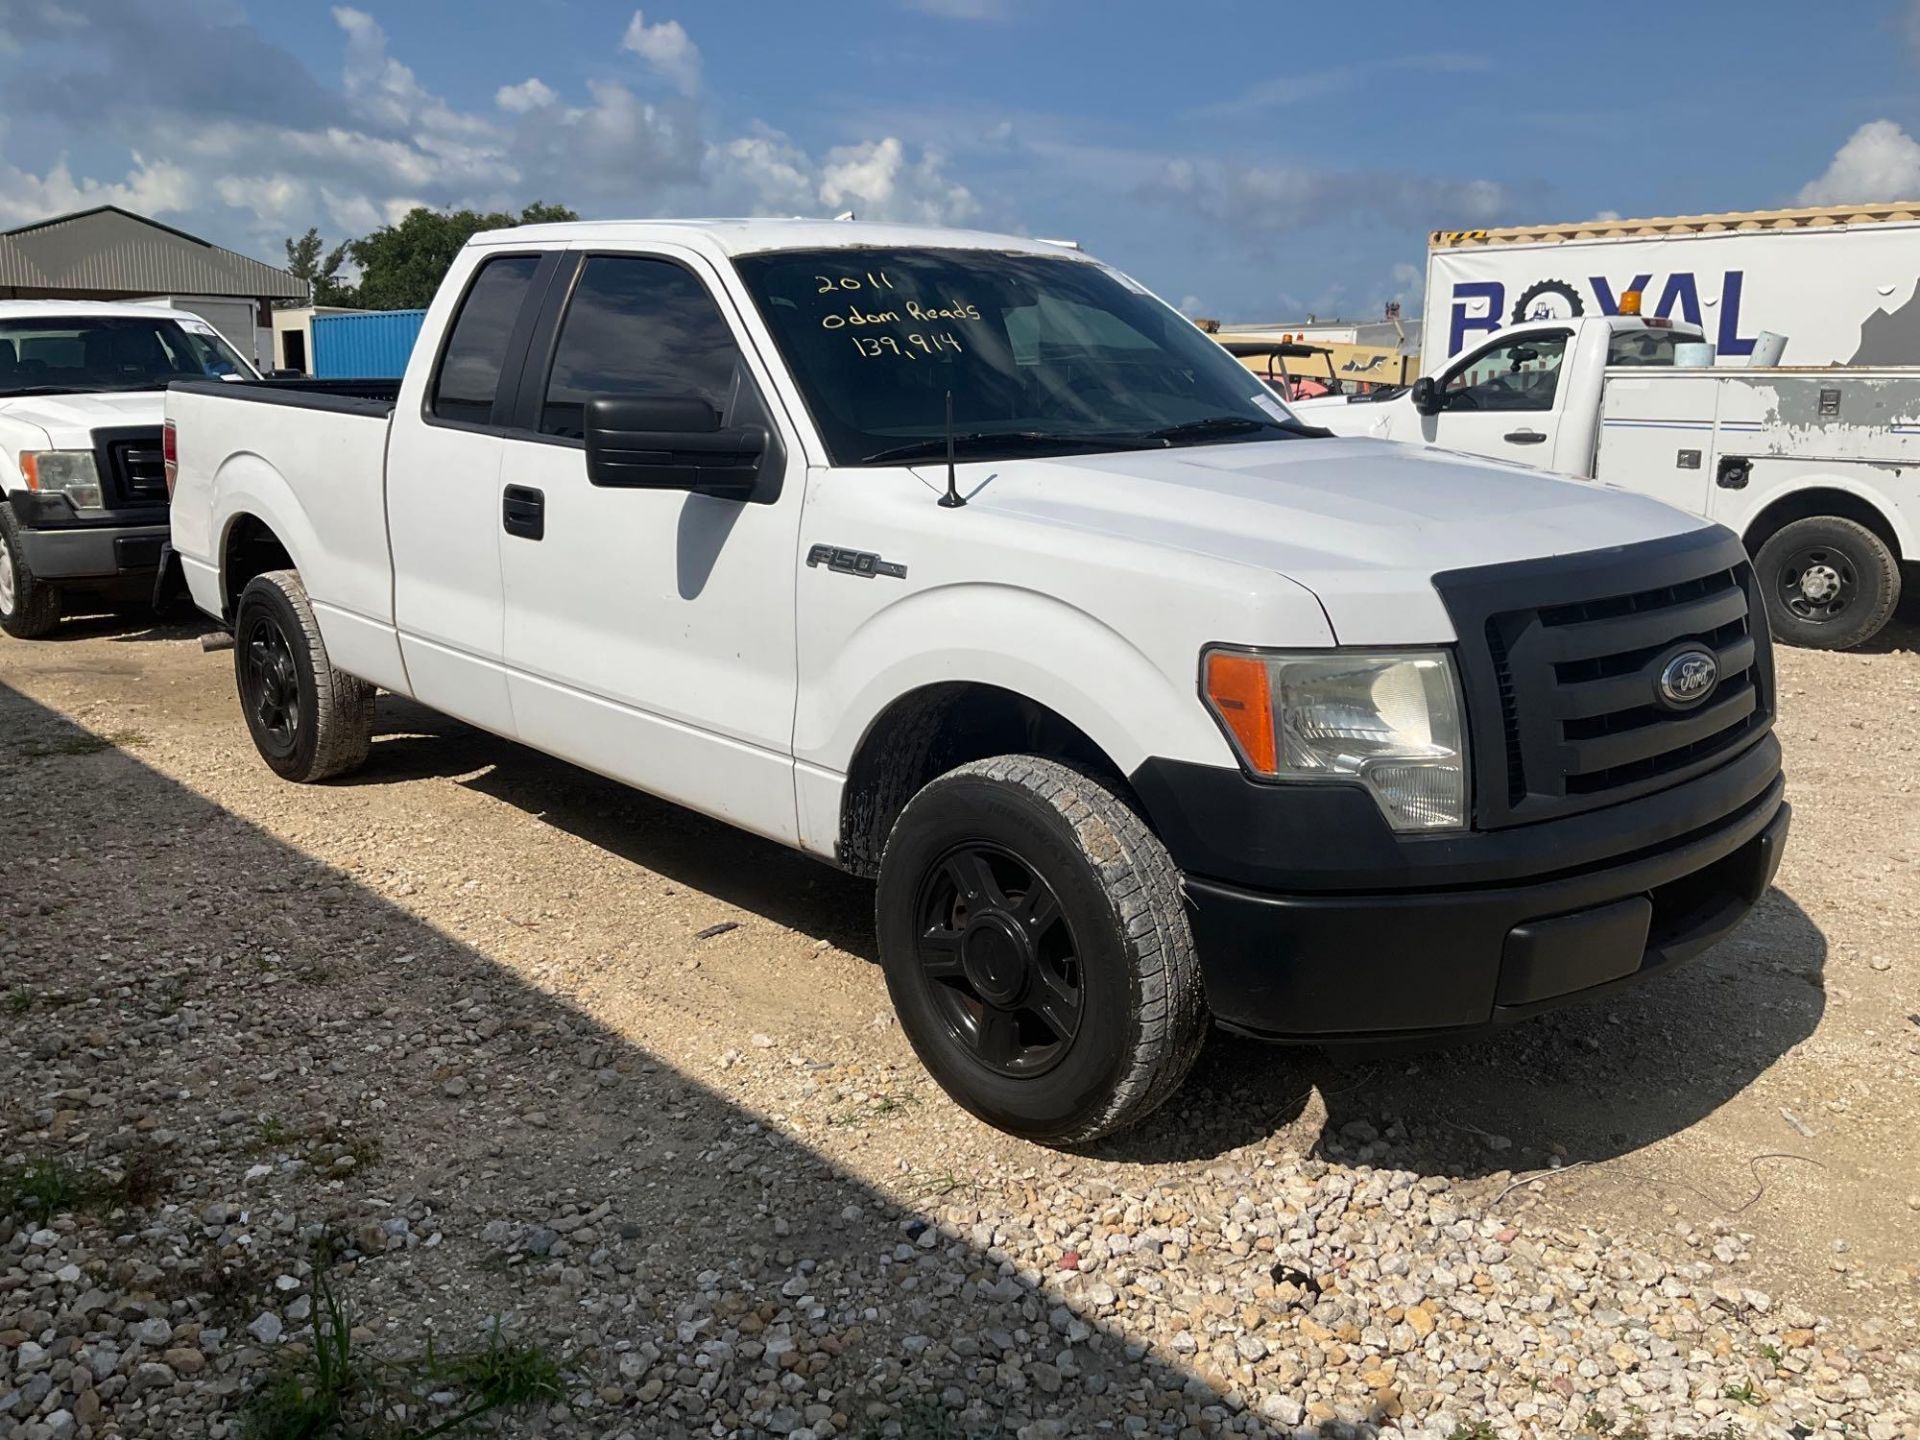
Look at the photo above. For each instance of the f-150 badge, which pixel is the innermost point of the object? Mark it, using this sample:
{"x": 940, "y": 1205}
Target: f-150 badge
{"x": 854, "y": 562}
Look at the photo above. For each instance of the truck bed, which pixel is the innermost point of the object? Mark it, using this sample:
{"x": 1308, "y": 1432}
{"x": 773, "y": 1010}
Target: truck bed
{"x": 307, "y": 458}
{"x": 351, "y": 397}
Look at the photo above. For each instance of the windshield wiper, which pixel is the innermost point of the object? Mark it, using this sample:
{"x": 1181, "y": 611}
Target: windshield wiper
{"x": 46, "y": 390}
{"x": 1230, "y": 425}
{"x": 935, "y": 446}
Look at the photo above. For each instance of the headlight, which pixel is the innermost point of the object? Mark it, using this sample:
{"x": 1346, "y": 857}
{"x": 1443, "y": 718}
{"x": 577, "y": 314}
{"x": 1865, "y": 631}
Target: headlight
{"x": 63, "y": 472}
{"x": 1393, "y": 722}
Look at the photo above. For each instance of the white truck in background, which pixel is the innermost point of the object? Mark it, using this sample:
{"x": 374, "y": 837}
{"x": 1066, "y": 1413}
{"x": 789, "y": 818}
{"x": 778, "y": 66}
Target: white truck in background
{"x": 1841, "y": 281}
{"x": 960, "y": 561}
{"x": 83, "y": 498}
{"x": 1814, "y": 468}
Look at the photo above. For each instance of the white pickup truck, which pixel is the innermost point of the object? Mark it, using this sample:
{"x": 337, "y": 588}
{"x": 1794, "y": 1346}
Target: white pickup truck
{"x": 1813, "y": 467}
{"x": 84, "y": 502}
{"x": 1146, "y": 709}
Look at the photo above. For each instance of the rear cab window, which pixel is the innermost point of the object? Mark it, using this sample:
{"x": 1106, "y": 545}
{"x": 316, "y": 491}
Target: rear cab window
{"x": 468, "y": 377}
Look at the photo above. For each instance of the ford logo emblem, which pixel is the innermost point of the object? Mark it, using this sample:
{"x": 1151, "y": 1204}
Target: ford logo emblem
{"x": 1688, "y": 678}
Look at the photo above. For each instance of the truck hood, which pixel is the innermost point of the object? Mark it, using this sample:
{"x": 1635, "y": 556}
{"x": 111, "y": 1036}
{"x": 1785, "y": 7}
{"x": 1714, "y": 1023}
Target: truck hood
{"x": 1364, "y": 524}
{"x": 70, "y": 420}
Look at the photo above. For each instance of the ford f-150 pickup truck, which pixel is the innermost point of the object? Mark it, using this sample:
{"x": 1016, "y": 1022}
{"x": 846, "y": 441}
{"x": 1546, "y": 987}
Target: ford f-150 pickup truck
{"x": 80, "y": 409}
{"x": 962, "y": 562}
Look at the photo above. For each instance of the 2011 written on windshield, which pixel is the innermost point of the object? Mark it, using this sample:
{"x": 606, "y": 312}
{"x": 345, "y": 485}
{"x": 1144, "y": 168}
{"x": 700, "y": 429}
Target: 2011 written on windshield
{"x": 900, "y": 346}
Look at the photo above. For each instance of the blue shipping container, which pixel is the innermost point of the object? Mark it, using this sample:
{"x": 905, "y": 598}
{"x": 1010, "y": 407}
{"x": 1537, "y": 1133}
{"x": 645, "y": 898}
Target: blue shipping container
{"x": 372, "y": 345}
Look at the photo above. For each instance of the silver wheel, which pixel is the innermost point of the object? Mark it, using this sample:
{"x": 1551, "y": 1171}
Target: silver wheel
{"x": 9, "y": 589}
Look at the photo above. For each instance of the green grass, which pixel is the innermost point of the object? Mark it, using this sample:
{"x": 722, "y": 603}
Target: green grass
{"x": 1770, "y": 1353}
{"x": 1746, "y": 1392}
{"x": 1478, "y": 1430}
{"x": 335, "y": 1391}
{"x": 20, "y": 1001}
{"x": 48, "y": 1186}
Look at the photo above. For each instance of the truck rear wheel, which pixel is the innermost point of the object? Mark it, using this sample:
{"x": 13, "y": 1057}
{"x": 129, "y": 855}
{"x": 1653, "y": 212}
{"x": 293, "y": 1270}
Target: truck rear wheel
{"x": 29, "y": 607}
{"x": 309, "y": 721}
{"x": 1037, "y": 950}
{"x": 1830, "y": 583}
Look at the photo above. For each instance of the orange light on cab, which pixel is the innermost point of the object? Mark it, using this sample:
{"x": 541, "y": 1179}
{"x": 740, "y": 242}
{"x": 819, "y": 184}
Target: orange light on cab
{"x": 1241, "y": 697}
{"x": 1630, "y": 302}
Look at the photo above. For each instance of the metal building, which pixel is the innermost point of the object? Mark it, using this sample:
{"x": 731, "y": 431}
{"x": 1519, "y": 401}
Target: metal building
{"x": 107, "y": 253}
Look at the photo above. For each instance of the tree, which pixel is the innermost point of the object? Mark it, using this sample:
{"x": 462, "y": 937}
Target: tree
{"x": 402, "y": 265}
{"x": 309, "y": 259}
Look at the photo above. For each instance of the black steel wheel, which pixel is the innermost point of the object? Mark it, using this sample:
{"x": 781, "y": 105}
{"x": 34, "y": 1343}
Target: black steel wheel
{"x": 1829, "y": 583}
{"x": 999, "y": 959}
{"x": 308, "y": 720}
{"x": 1037, "y": 949}
{"x": 269, "y": 684}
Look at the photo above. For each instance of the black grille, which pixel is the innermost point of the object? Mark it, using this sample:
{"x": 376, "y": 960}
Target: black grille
{"x": 132, "y": 466}
{"x": 1561, "y": 661}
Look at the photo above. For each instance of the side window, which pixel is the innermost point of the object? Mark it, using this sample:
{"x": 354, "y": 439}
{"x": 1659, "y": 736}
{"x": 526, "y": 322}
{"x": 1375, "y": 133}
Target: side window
{"x": 477, "y": 346}
{"x": 637, "y": 327}
{"x": 1520, "y": 374}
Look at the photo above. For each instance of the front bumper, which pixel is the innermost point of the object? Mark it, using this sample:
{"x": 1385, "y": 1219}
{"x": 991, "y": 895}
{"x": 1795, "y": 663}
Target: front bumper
{"x": 1403, "y": 960}
{"x": 58, "y": 545}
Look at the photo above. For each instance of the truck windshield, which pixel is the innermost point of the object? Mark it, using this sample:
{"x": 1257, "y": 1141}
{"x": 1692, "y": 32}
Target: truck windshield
{"x": 1041, "y": 355}
{"x": 83, "y": 354}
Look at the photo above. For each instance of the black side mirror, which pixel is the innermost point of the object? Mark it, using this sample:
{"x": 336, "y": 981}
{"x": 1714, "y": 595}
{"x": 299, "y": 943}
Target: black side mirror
{"x": 1426, "y": 396}
{"x": 671, "y": 443}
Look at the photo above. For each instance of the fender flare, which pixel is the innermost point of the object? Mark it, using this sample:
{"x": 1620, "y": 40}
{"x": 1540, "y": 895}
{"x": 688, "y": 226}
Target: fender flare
{"x": 1134, "y": 710}
{"x": 246, "y": 484}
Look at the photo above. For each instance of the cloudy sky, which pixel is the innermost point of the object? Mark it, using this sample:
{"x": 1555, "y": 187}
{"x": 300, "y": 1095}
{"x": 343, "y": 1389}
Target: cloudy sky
{"x": 1251, "y": 160}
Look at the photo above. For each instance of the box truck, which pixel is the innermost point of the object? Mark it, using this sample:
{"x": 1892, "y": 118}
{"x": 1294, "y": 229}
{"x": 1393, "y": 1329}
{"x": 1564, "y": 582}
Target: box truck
{"x": 1842, "y": 283}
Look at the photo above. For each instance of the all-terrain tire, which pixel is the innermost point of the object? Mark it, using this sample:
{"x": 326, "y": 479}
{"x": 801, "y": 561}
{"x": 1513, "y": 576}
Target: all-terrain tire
{"x": 1845, "y": 553}
{"x": 29, "y": 607}
{"x": 309, "y": 721}
{"x": 1143, "y": 1014}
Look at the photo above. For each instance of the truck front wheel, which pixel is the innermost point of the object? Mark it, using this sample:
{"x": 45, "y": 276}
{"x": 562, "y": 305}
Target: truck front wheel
{"x": 309, "y": 721}
{"x": 1037, "y": 950}
{"x": 29, "y": 607}
{"x": 1830, "y": 583}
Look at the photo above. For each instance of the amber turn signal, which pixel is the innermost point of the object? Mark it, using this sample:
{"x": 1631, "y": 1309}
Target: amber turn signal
{"x": 1240, "y": 694}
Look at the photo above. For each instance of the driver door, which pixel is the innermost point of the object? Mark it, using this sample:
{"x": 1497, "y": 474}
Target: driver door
{"x": 1504, "y": 400}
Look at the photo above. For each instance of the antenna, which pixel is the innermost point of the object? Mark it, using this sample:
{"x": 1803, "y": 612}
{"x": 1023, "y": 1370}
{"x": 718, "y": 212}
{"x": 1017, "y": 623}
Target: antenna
{"x": 951, "y": 500}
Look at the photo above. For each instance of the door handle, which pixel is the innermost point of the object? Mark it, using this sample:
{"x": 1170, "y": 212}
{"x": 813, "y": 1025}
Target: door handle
{"x": 1525, "y": 437}
{"x": 523, "y": 512}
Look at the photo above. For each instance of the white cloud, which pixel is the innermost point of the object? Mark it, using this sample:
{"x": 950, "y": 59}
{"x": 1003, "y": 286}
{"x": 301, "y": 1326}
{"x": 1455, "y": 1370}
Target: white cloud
{"x": 667, "y": 49}
{"x": 150, "y": 188}
{"x": 530, "y": 94}
{"x": 249, "y": 166}
{"x": 1408, "y": 281}
{"x": 1879, "y": 162}
{"x": 877, "y": 182}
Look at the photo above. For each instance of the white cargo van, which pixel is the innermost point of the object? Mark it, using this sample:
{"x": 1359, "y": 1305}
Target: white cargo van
{"x": 960, "y": 561}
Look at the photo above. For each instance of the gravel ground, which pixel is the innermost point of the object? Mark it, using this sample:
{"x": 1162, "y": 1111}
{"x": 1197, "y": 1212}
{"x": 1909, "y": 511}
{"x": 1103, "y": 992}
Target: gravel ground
{"x": 479, "y": 1079}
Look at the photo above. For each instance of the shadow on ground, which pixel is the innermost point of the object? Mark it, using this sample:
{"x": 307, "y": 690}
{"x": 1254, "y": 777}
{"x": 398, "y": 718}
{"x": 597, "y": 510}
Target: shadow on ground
{"x": 197, "y": 977}
{"x": 1583, "y": 1084}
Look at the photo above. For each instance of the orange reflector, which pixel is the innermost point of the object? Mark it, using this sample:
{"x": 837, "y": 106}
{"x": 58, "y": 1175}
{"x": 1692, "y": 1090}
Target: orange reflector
{"x": 1630, "y": 302}
{"x": 30, "y": 468}
{"x": 1237, "y": 689}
